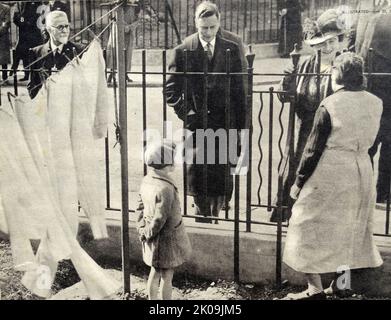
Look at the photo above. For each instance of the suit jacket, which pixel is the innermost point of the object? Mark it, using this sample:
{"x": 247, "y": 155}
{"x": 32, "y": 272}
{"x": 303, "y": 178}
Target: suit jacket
{"x": 216, "y": 88}
{"x": 26, "y": 20}
{"x": 48, "y": 63}
{"x": 230, "y": 36}
{"x": 5, "y": 44}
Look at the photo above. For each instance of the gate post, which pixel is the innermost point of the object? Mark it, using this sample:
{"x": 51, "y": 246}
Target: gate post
{"x": 124, "y": 147}
{"x": 249, "y": 126}
{"x": 166, "y": 24}
{"x": 289, "y": 154}
{"x": 295, "y": 56}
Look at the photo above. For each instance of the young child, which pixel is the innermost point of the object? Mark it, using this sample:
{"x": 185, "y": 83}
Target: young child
{"x": 161, "y": 230}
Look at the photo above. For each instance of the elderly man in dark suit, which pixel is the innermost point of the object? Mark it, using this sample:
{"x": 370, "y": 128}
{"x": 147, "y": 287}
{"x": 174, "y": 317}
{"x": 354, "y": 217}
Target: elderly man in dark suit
{"x": 55, "y": 53}
{"x": 208, "y": 42}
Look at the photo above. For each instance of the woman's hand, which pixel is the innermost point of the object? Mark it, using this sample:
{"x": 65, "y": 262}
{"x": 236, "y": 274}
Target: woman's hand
{"x": 288, "y": 84}
{"x": 290, "y": 76}
{"x": 295, "y": 191}
{"x": 290, "y": 70}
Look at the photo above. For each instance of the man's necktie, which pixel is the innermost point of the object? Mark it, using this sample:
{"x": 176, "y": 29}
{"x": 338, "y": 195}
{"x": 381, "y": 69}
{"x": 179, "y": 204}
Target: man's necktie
{"x": 209, "y": 51}
{"x": 56, "y": 55}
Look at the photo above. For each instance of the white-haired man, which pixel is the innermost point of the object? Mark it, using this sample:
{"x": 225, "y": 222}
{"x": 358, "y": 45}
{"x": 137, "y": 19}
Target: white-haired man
{"x": 57, "y": 51}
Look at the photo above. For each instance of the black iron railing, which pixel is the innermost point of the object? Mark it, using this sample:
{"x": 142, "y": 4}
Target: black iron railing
{"x": 271, "y": 138}
{"x": 164, "y": 23}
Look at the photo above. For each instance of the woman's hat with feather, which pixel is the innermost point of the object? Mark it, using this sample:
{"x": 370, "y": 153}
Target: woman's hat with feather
{"x": 329, "y": 24}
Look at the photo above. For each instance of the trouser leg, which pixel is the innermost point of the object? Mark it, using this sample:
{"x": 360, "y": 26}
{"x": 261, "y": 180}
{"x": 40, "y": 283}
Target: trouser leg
{"x": 4, "y": 71}
{"x": 216, "y": 203}
{"x": 15, "y": 61}
{"x": 26, "y": 60}
{"x": 202, "y": 206}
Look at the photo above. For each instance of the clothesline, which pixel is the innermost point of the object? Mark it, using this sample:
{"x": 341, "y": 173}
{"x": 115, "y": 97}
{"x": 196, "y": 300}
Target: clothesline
{"x": 96, "y": 21}
{"x": 71, "y": 38}
{"x": 96, "y": 36}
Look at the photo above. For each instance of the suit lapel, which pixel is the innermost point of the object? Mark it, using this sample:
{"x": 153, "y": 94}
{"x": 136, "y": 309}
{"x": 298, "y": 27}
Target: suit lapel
{"x": 48, "y": 62}
{"x": 66, "y": 55}
{"x": 195, "y": 42}
{"x": 218, "y": 55}
{"x": 198, "y": 53}
{"x": 46, "y": 48}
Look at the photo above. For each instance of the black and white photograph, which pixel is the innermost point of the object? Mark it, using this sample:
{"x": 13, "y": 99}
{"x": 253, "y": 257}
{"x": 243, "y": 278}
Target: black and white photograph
{"x": 207, "y": 151}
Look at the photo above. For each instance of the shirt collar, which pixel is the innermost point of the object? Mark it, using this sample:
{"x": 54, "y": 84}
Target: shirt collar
{"x": 340, "y": 88}
{"x": 54, "y": 47}
{"x": 204, "y": 43}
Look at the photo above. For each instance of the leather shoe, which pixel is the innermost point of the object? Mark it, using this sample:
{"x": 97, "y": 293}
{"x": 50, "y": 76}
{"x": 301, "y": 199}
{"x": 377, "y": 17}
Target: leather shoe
{"x": 305, "y": 295}
{"x": 203, "y": 220}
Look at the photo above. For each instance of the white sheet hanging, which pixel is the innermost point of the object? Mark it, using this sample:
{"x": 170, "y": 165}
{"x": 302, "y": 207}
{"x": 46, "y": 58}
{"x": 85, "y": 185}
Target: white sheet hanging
{"x": 29, "y": 211}
{"x": 48, "y": 165}
{"x": 92, "y": 67}
{"x": 89, "y": 122}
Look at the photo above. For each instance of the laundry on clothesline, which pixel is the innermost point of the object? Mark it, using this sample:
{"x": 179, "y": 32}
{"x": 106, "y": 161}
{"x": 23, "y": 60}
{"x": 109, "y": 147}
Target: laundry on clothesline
{"x": 49, "y": 165}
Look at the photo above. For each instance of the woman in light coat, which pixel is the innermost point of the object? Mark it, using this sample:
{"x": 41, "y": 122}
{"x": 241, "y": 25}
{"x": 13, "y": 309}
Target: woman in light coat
{"x": 331, "y": 224}
{"x": 162, "y": 232}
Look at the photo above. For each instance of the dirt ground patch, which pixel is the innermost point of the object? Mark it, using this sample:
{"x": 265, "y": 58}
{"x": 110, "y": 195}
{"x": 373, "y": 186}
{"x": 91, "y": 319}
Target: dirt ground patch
{"x": 67, "y": 285}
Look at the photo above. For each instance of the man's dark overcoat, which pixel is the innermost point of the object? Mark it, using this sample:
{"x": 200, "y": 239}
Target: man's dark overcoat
{"x": 217, "y": 94}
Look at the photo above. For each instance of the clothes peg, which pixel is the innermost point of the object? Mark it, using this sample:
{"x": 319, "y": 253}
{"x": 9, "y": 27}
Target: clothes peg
{"x": 76, "y": 56}
{"x": 69, "y": 60}
{"x": 9, "y": 95}
{"x": 117, "y": 135}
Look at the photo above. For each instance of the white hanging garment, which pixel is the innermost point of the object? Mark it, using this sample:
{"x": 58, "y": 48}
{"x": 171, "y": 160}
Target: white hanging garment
{"x": 92, "y": 66}
{"x": 29, "y": 211}
{"x": 58, "y": 122}
{"x": 89, "y": 120}
{"x": 39, "y": 280}
{"x": 51, "y": 165}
